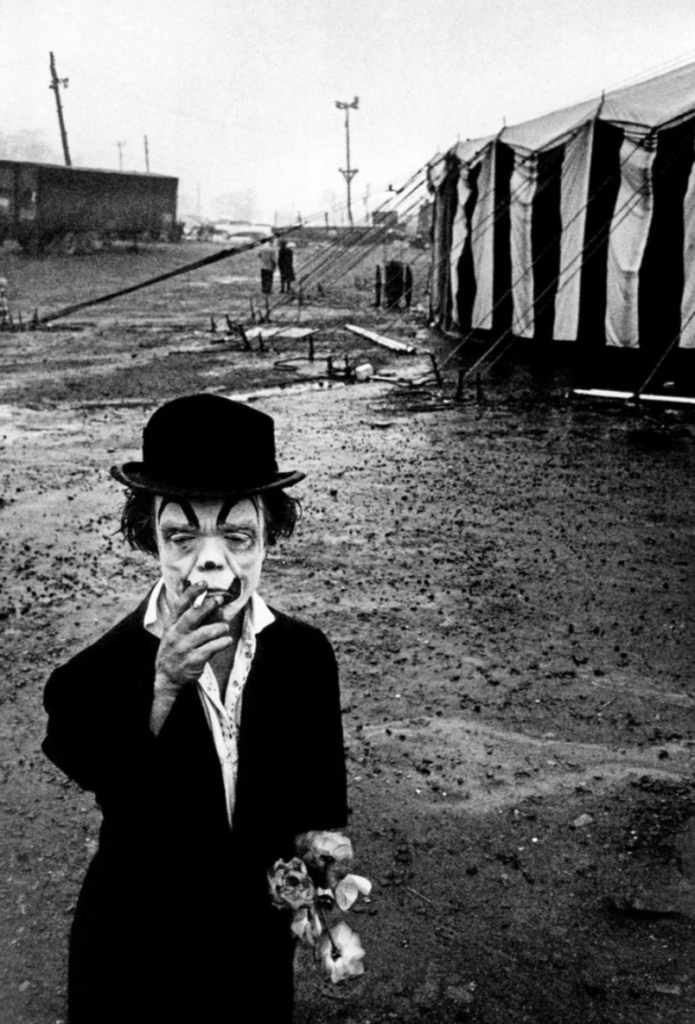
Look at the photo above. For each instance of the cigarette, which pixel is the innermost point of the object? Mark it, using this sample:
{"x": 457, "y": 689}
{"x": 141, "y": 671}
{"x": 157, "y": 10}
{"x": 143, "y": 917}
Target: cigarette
{"x": 223, "y": 596}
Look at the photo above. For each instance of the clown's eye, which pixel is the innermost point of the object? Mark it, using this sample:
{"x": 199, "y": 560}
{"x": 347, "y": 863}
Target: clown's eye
{"x": 178, "y": 539}
{"x": 238, "y": 539}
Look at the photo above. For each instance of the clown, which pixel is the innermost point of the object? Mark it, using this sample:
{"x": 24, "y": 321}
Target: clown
{"x": 191, "y": 721}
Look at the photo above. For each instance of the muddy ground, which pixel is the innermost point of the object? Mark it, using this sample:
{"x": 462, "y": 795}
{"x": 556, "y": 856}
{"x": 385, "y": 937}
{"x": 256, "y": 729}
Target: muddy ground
{"x": 508, "y": 584}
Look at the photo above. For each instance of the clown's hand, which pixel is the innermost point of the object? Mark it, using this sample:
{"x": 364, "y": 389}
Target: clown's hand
{"x": 188, "y": 642}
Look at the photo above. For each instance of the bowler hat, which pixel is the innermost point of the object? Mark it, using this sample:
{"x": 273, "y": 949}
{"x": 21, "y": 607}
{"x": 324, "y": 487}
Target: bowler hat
{"x": 206, "y": 446}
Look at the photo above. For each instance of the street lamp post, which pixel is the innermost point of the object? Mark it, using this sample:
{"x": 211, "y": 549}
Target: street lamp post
{"x": 348, "y": 172}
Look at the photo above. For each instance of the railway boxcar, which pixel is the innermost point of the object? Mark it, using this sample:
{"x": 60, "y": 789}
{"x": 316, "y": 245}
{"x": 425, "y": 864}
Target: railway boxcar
{"x": 48, "y": 207}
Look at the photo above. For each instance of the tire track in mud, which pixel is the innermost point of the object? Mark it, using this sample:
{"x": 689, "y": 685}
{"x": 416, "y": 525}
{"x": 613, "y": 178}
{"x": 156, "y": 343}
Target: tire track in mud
{"x": 469, "y": 766}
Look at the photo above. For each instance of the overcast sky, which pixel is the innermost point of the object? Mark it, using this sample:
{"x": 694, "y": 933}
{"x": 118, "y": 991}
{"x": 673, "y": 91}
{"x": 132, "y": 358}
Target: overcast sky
{"x": 239, "y": 95}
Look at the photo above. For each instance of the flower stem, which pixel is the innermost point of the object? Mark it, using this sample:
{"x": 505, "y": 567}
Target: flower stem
{"x": 335, "y": 952}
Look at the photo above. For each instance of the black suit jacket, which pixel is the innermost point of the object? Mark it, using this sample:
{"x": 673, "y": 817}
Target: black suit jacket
{"x": 169, "y": 872}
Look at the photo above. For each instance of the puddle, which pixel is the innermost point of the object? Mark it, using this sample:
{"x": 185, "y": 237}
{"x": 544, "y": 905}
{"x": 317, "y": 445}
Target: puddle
{"x": 232, "y": 280}
{"x": 16, "y": 424}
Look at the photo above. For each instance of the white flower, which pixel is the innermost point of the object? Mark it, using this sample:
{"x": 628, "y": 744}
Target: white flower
{"x": 290, "y": 885}
{"x": 341, "y": 953}
{"x": 326, "y": 854}
{"x": 349, "y": 888}
{"x": 307, "y": 926}
{"x": 330, "y": 844}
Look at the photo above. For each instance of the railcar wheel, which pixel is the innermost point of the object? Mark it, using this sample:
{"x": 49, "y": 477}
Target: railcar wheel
{"x": 92, "y": 241}
{"x": 68, "y": 244}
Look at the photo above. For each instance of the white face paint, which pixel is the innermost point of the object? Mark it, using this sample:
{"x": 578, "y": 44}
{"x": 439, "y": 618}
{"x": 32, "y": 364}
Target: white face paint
{"x": 212, "y": 543}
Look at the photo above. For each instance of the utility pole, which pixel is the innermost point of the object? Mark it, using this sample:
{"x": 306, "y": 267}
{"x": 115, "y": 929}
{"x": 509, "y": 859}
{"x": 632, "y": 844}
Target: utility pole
{"x": 147, "y": 156}
{"x": 349, "y": 172}
{"x": 120, "y": 155}
{"x": 55, "y": 86}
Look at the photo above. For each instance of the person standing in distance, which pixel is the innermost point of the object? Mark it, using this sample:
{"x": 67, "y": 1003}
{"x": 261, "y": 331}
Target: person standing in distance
{"x": 286, "y": 266}
{"x": 266, "y": 255}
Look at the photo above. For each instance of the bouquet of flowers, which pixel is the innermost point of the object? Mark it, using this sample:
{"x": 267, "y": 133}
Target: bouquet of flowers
{"x": 313, "y": 884}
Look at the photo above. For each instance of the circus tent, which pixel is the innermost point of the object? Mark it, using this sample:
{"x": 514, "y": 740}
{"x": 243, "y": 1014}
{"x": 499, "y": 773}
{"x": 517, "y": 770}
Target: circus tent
{"x": 578, "y": 226}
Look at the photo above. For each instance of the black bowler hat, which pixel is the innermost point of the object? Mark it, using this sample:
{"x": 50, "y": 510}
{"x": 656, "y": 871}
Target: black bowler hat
{"x": 206, "y": 446}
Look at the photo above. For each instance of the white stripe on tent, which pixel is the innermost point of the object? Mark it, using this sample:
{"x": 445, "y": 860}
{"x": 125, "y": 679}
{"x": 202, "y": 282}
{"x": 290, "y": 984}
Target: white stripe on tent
{"x": 459, "y": 233}
{"x": 629, "y": 231}
{"x": 576, "y": 165}
{"x": 687, "y": 339}
{"x": 483, "y": 240}
{"x": 523, "y": 188}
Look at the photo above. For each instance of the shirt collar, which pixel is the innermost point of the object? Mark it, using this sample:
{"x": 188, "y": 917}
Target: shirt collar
{"x": 257, "y": 613}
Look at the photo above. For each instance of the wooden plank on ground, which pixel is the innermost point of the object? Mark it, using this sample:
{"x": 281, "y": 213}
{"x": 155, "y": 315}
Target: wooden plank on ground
{"x": 289, "y": 333}
{"x": 262, "y": 332}
{"x": 296, "y": 333}
{"x": 603, "y": 393}
{"x": 381, "y": 339}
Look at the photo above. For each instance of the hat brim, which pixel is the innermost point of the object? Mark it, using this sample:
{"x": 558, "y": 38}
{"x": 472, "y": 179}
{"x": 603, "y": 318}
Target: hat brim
{"x": 132, "y": 475}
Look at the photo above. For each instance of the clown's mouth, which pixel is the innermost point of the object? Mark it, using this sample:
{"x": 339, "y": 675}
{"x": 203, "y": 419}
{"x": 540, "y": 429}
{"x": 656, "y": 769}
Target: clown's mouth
{"x": 232, "y": 593}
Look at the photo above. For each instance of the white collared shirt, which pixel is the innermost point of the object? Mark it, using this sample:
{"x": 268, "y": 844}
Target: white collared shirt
{"x": 223, "y": 717}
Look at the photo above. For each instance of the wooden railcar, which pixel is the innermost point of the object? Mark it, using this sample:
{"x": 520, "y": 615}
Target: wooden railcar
{"x": 48, "y": 207}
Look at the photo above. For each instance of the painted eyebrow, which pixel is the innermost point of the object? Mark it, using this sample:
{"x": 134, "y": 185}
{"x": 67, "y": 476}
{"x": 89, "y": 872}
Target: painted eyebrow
{"x": 227, "y": 508}
{"x": 185, "y": 506}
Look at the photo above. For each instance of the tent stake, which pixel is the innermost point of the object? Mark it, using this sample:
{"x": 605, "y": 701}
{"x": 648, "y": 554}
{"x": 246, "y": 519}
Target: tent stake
{"x": 437, "y": 374}
{"x": 458, "y": 397}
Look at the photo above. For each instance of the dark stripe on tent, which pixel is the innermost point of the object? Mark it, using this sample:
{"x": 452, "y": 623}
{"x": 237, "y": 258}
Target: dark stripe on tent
{"x": 445, "y": 209}
{"x": 604, "y": 183}
{"x": 662, "y": 274}
{"x": 466, "y": 274}
{"x": 546, "y": 228}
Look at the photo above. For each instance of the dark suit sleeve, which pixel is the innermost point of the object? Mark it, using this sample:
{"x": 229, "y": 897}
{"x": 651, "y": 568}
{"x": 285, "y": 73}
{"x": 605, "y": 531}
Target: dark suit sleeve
{"x": 291, "y": 758}
{"x": 72, "y": 742}
{"x": 323, "y": 803}
{"x": 98, "y": 713}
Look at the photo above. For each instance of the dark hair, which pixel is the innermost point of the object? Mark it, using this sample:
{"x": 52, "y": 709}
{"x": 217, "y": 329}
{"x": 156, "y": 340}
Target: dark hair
{"x": 281, "y": 513}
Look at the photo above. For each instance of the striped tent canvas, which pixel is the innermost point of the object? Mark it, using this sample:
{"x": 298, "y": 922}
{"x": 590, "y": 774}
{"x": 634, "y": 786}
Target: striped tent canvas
{"x": 578, "y": 226}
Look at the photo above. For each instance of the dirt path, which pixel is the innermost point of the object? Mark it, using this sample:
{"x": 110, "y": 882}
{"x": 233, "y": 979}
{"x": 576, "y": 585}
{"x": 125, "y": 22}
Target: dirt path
{"x": 508, "y": 586}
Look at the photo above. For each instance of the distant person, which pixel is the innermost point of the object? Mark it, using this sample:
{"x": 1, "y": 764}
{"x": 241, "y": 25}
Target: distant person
{"x": 286, "y": 266}
{"x": 266, "y": 255}
{"x": 4, "y": 308}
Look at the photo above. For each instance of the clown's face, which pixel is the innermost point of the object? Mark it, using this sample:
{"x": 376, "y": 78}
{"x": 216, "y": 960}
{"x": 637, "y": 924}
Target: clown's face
{"x": 212, "y": 542}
